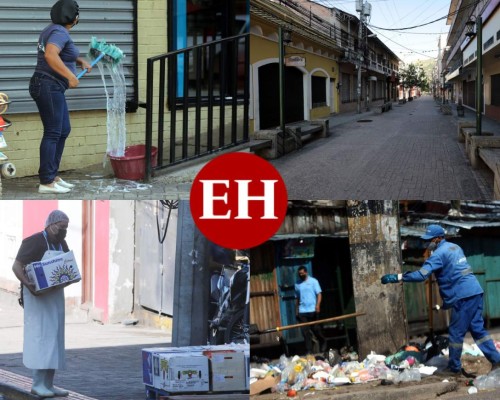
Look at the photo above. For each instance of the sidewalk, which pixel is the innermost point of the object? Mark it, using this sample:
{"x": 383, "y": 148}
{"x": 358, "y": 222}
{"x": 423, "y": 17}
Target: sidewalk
{"x": 103, "y": 361}
{"x": 98, "y": 183}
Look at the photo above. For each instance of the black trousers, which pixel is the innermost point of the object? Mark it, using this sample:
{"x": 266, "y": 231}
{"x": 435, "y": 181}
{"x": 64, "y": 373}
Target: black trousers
{"x": 308, "y": 331}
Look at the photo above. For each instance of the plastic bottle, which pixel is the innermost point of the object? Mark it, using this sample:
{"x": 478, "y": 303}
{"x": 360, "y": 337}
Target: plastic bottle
{"x": 490, "y": 381}
{"x": 412, "y": 374}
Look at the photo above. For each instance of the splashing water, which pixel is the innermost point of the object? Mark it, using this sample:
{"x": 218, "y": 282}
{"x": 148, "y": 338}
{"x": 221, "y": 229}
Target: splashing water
{"x": 117, "y": 133}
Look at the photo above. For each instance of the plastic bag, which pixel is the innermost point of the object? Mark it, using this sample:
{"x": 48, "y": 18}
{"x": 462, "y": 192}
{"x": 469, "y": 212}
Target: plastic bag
{"x": 490, "y": 381}
{"x": 408, "y": 375}
{"x": 440, "y": 362}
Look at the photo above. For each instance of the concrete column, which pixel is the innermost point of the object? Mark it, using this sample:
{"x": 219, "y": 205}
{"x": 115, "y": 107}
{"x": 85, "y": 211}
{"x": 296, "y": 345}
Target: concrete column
{"x": 192, "y": 281}
{"x": 375, "y": 250}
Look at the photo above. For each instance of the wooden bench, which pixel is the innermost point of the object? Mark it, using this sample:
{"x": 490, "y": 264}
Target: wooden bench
{"x": 491, "y": 157}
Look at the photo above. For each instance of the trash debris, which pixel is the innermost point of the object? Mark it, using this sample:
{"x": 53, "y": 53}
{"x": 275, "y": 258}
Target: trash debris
{"x": 472, "y": 390}
{"x": 314, "y": 373}
{"x": 490, "y": 381}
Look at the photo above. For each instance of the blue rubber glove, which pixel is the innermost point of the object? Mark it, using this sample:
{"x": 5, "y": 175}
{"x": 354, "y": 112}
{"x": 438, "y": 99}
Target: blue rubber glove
{"x": 389, "y": 278}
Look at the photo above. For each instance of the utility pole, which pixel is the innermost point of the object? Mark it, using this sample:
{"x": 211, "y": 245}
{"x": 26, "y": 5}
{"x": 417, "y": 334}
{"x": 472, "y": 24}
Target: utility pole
{"x": 479, "y": 73}
{"x": 364, "y": 9}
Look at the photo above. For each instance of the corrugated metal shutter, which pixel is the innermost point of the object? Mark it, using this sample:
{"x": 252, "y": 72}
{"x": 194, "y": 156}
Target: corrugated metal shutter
{"x": 22, "y": 21}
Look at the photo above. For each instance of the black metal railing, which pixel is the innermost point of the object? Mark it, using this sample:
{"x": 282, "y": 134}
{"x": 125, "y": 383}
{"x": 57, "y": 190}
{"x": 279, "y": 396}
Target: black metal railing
{"x": 201, "y": 98}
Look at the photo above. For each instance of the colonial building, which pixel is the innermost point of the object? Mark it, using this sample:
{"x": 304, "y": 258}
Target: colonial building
{"x": 322, "y": 56}
{"x": 460, "y": 58}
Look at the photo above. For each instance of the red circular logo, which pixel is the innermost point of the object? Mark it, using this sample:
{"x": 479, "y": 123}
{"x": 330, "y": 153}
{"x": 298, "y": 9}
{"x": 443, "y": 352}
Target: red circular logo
{"x": 238, "y": 200}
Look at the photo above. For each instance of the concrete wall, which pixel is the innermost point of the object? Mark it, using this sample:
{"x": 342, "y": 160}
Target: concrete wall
{"x": 375, "y": 251}
{"x": 190, "y": 325}
{"x": 121, "y": 259}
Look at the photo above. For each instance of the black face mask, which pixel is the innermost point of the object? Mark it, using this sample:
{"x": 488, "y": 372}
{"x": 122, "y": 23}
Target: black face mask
{"x": 61, "y": 234}
{"x": 303, "y": 277}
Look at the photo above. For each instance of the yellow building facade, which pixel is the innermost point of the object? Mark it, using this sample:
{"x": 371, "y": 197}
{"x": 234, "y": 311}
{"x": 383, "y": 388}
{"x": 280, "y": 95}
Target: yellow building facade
{"x": 311, "y": 68}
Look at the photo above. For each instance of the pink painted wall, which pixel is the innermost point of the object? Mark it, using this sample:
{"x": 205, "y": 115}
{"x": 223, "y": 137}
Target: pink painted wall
{"x": 35, "y": 213}
{"x": 101, "y": 261}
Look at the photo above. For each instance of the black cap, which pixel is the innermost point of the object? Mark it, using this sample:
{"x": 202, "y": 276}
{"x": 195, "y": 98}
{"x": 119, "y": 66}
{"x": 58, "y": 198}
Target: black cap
{"x": 64, "y": 12}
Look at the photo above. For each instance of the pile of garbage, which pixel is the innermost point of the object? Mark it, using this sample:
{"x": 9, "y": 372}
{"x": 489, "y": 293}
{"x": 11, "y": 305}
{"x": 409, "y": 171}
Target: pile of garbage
{"x": 304, "y": 373}
{"x": 291, "y": 374}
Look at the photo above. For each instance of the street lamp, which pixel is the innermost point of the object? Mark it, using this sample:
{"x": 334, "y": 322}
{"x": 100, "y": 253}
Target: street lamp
{"x": 469, "y": 27}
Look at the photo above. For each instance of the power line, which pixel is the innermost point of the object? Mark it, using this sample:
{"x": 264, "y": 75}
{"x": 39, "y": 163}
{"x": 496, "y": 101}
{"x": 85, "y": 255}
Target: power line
{"x": 407, "y": 48}
{"x": 428, "y": 23}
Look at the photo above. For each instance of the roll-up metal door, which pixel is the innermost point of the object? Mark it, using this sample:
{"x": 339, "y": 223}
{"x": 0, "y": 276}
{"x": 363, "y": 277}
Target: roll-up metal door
{"x": 23, "y": 20}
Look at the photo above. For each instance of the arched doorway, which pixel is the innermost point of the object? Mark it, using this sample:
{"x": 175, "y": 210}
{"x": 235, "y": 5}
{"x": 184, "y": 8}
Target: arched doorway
{"x": 269, "y": 100}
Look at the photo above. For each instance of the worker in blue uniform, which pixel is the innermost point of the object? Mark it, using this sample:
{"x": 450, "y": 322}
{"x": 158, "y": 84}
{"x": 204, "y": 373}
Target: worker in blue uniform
{"x": 460, "y": 291}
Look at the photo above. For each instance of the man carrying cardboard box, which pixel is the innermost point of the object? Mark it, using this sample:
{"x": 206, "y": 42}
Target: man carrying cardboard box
{"x": 43, "y": 350}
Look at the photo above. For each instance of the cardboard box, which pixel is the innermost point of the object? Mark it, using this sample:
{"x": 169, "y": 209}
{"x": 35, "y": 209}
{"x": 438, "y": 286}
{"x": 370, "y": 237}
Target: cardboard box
{"x": 152, "y": 374}
{"x": 59, "y": 270}
{"x": 147, "y": 363}
{"x": 183, "y": 372}
{"x": 228, "y": 371}
{"x": 264, "y": 384}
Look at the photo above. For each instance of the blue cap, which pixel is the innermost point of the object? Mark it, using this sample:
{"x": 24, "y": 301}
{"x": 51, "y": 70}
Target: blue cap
{"x": 433, "y": 231}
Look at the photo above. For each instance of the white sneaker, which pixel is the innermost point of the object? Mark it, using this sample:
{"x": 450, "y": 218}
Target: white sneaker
{"x": 56, "y": 189}
{"x": 65, "y": 184}
{"x": 3, "y": 143}
{"x": 3, "y": 157}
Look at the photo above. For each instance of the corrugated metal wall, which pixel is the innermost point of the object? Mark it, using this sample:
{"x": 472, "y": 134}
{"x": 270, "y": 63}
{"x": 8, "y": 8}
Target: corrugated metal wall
{"x": 483, "y": 254}
{"x": 22, "y": 21}
{"x": 264, "y": 297}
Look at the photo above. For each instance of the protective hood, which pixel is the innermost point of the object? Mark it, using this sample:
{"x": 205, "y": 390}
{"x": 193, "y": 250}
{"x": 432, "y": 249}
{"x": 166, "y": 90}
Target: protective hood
{"x": 64, "y": 12}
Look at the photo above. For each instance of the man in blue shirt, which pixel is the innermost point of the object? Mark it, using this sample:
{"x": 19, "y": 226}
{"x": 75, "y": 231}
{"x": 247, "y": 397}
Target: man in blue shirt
{"x": 308, "y": 302}
{"x": 460, "y": 291}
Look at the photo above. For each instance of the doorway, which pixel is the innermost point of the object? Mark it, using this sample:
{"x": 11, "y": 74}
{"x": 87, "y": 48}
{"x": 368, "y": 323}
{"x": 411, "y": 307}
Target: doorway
{"x": 269, "y": 103}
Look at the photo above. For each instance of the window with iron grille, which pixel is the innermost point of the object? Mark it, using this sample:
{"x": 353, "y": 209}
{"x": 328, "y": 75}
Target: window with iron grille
{"x": 344, "y": 37}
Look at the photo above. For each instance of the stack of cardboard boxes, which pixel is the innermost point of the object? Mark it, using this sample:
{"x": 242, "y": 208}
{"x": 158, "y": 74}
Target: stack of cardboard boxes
{"x": 197, "y": 369}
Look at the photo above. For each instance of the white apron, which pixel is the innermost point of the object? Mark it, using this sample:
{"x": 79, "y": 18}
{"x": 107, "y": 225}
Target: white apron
{"x": 44, "y": 326}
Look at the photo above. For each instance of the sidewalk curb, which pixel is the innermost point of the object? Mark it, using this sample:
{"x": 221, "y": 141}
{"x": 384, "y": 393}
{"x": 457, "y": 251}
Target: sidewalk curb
{"x": 13, "y": 393}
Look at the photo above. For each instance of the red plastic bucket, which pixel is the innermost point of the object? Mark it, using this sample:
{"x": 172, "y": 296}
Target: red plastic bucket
{"x": 132, "y": 165}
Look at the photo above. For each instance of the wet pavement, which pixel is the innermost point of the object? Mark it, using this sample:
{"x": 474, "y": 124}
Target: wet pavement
{"x": 98, "y": 182}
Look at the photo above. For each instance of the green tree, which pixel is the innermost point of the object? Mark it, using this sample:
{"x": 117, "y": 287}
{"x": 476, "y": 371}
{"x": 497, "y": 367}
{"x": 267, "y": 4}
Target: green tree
{"x": 413, "y": 76}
